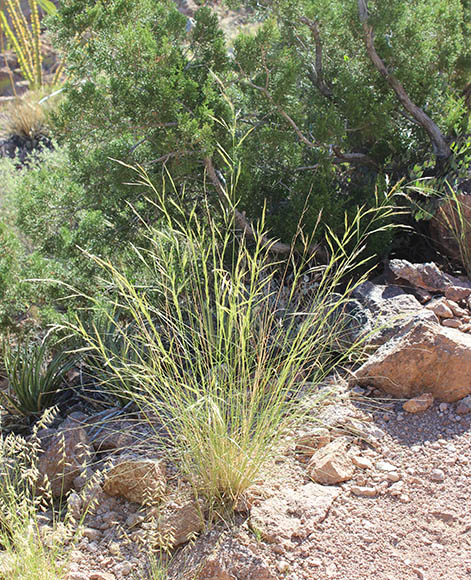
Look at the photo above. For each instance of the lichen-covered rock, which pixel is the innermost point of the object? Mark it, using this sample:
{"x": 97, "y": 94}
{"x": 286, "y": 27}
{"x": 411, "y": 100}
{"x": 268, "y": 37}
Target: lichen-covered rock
{"x": 137, "y": 479}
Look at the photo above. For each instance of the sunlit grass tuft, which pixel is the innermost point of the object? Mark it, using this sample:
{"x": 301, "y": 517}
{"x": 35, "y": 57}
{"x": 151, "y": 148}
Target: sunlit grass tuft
{"x": 229, "y": 340}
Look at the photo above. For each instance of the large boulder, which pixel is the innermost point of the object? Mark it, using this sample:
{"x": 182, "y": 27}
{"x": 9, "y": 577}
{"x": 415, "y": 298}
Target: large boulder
{"x": 422, "y": 357}
{"x": 387, "y": 309}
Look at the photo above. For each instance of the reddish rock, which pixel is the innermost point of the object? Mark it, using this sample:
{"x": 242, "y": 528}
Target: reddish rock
{"x": 331, "y": 464}
{"x": 67, "y": 452}
{"x": 440, "y": 307}
{"x": 178, "y": 522}
{"x": 422, "y": 358}
{"x": 427, "y": 276}
{"x": 452, "y": 323}
{"x": 418, "y": 404}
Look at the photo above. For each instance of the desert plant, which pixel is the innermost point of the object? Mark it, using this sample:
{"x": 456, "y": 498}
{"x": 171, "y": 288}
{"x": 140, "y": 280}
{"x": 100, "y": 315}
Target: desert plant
{"x": 25, "y": 37}
{"x": 233, "y": 349}
{"x": 116, "y": 337}
{"x": 34, "y": 377}
{"x": 28, "y": 117}
{"x": 323, "y": 86}
{"x": 34, "y": 536}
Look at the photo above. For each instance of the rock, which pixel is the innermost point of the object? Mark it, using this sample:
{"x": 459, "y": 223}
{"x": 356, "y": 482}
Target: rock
{"x": 307, "y": 444}
{"x": 423, "y": 357}
{"x": 426, "y": 276}
{"x": 457, "y": 293}
{"x": 363, "y": 491}
{"x": 387, "y": 309}
{"x": 92, "y": 534}
{"x": 452, "y": 323}
{"x": 76, "y": 576}
{"x": 66, "y": 453}
{"x": 234, "y": 563}
{"x": 331, "y": 464}
{"x": 439, "y": 307}
{"x": 101, "y": 576}
{"x": 115, "y": 435}
{"x": 385, "y": 466}
{"x": 437, "y": 475}
{"x": 464, "y": 406}
{"x": 362, "y": 462}
{"x": 138, "y": 480}
{"x": 456, "y": 309}
{"x": 123, "y": 568}
{"x": 292, "y": 513}
{"x": 418, "y": 404}
{"x": 178, "y": 522}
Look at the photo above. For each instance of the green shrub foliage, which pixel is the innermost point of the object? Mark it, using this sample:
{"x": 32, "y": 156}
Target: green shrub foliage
{"x": 145, "y": 87}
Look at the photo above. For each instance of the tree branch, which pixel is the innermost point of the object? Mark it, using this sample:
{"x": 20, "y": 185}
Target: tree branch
{"x": 317, "y": 73}
{"x": 240, "y": 219}
{"x": 354, "y": 158}
{"x": 441, "y": 147}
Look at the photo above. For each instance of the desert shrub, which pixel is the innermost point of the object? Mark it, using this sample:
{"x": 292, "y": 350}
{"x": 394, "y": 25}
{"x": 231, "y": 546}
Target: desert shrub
{"x": 224, "y": 357}
{"x": 145, "y": 89}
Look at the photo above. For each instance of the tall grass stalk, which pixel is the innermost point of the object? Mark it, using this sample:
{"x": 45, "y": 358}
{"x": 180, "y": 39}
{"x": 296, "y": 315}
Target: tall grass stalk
{"x": 228, "y": 341}
{"x": 454, "y": 216}
{"x": 29, "y": 549}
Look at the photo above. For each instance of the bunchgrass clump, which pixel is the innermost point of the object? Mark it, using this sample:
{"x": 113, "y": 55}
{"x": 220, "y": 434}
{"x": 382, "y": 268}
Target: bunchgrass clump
{"x": 227, "y": 345}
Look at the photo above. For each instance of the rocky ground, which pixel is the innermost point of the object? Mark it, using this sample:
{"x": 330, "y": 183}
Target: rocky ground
{"x": 372, "y": 487}
{"x": 401, "y": 513}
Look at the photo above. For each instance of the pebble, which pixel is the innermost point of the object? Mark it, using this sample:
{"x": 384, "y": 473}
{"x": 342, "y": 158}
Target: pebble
{"x": 92, "y": 547}
{"x": 464, "y": 406}
{"x": 451, "y": 323}
{"x": 419, "y": 404}
{"x": 385, "y": 466}
{"x": 437, "y": 475}
{"x": 362, "y": 462}
{"x": 134, "y": 520}
{"x": 393, "y": 476}
{"x": 92, "y": 534}
{"x": 124, "y": 568}
{"x": 404, "y": 498}
{"x": 363, "y": 491}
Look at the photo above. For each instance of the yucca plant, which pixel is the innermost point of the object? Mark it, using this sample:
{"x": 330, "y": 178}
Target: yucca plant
{"x": 34, "y": 377}
{"x": 238, "y": 345}
{"x": 116, "y": 337}
{"x": 25, "y": 36}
